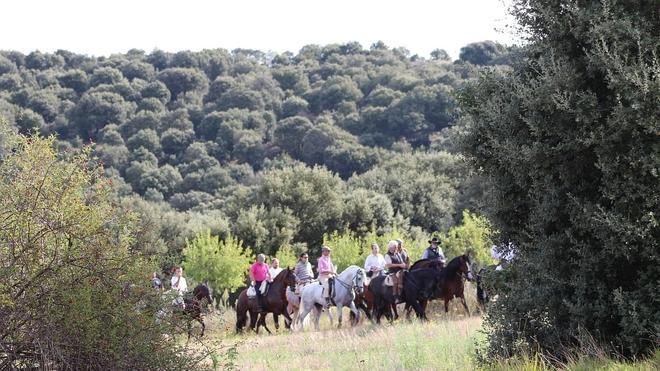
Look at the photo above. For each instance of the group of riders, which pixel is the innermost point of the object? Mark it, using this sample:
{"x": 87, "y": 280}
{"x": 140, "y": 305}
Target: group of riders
{"x": 393, "y": 263}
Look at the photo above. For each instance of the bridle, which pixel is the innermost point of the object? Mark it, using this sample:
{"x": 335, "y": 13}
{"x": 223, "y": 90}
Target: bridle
{"x": 292, "y": 285}
{"x": 467, "y": 274}
{"x": 353, "y": 286}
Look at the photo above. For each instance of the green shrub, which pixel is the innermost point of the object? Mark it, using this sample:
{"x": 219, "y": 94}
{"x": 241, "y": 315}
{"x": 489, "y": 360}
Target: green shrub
{"x": 472, "y": 235}
{"x": 223, "y": 263}
{"x": 73, "y": 295}
{"x": 569, "y": 141}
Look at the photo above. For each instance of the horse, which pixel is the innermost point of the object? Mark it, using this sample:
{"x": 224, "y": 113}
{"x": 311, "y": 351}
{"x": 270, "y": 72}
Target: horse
{"x": 274, "y": 302}
{"x": 365, "y": 302}
{"x": 422, "y": 264}
{"x": 451, "y": 281}
{"x": 194, "y": 304}
{"x": 417, "y": 285}
{"x": 346, "y": 285}
{"x": 488, "y": 278}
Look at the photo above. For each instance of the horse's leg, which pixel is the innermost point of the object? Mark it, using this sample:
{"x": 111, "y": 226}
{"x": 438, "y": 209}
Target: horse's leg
{"x": 262, "y": 321}
{"x": 355, "y": 310}
{"x": 465, "y": 306}
{"x": 408, "y": 309}
{"x": 396, "y": 312}
{"x": 292, "y": 311}
{"x": 276, "y": 319}
{"x": 340, "y": 315}
{"x": 317, "y": 317}
{"x": 253, "y": 321}
{"x": 287, "y": 319}
{"x": 201, "y": 321}
{"x": 332, "y": 322}
{"x": 302, "y": 315}
{"x": 446, "y": 304}
{"x": 419, "y": 310}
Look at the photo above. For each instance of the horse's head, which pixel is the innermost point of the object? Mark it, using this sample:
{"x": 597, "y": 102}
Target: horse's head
{"x": 201, "y": 292}
{"x": 464, "y": 267}
{"x": 358, "y": 281}
{"x": 289, "y": 278}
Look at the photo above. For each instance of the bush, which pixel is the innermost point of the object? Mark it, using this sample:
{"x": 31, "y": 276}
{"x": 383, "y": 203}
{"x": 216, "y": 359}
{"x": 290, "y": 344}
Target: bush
{"x": 71, "y": 295}
{"x": 473, "y": 236}
{"x": 287, "y": 256}
{"x": 569, "y": 141}
{"x": 223, "y": 263}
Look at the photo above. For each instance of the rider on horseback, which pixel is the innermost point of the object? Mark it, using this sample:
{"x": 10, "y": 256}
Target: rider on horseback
{"x": 374, "y": 265}
{"x": 304, "y": 273}
{"x": 274, "y": 269}
{"x": 326, "y": 271}
{"x": 395, "y": 265}
{"x": 434, "y": 252}
{"x": 258, "y": 275}
{"x": 403, "y": 252}
{"x": 180, "y": 286}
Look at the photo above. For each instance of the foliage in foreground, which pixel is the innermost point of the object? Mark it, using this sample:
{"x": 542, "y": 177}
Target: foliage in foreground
{"x": 569, "y": 140}
{"x": 72, "y": 294}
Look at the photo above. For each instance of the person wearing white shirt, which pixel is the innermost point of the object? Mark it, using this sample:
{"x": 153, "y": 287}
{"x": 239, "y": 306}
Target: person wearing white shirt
{"x": 375, "y": 263}
{"x": 274, "y": 269}
{"x": 180, "y": 286}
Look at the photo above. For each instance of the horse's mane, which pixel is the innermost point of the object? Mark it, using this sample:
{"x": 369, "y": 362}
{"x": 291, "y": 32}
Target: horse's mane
{"x": 454, "y": 264}
{"x": 420, "y": 261}
{"x": 282, "y": 275}
{"x": 343, "y": 275}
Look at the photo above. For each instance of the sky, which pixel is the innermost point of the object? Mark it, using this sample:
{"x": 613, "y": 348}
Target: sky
{"x": 105, "y": 27}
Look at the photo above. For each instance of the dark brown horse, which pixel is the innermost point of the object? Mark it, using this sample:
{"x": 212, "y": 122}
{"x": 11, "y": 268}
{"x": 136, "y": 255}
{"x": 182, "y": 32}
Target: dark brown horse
{"x": 363, "y": 301}
{"x": 366, "y": 300}
{"x": 450, "y": 284}
{"x": 418, "y": 285}
{"x": 274, "y": 302}
{"x": 451, "y": 281}
{"x": 193, "y": 306}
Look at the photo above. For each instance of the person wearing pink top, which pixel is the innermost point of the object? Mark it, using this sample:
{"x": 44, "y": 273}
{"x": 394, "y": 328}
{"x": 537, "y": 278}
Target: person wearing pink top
{"x": 326, "y": 270}
{"x": 258, "y": 274}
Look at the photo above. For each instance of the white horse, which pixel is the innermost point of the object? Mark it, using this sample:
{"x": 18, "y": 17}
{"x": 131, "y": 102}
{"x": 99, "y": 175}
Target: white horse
{"x": 294, "y": 304}
{"x": 347, "y": 283}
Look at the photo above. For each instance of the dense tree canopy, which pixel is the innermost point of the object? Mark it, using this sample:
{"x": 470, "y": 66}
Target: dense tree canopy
{"x": 569, "y": 140}
{"x": 288, "y": 147}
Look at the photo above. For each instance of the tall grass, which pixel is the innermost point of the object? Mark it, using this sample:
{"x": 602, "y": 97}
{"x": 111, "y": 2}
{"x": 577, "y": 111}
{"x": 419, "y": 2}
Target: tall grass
{"x": 440, "y": 345}
{"x": 446, "y": 342}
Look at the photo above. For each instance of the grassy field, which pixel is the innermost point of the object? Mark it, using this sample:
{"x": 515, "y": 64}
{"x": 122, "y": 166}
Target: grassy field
{"x": 444, "y": 345}
{"x": 447, "y": 342}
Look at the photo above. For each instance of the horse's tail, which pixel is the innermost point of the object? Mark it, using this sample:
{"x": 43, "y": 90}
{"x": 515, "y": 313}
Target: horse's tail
{"x": 241, "y": 312}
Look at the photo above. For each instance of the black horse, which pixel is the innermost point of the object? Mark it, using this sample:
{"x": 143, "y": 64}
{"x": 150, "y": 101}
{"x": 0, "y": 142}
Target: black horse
{"x": 194, "y": 304}
{"x": 418, "y": 286}
{"x": 450, "y": 282}
{"x": 489, "y": 280}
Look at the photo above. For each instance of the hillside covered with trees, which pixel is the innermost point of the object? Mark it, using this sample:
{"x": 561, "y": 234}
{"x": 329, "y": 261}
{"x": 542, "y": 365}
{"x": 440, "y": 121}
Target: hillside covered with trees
{"x": 276, "y": 150}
